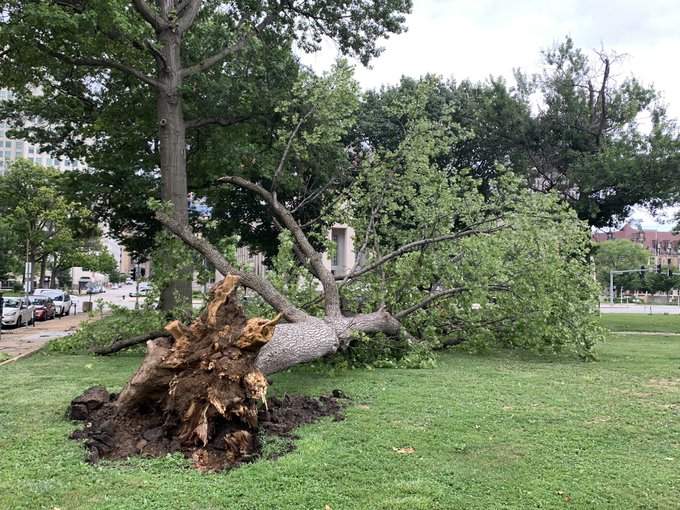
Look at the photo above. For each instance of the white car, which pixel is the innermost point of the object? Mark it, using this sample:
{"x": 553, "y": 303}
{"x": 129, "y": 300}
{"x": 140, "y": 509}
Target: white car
{"x": 62, "y": 301}
{"x": 17, "y": 311}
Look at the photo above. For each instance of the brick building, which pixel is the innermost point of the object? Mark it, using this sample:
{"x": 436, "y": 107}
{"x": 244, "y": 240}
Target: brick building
{"x": 663, "y": 247}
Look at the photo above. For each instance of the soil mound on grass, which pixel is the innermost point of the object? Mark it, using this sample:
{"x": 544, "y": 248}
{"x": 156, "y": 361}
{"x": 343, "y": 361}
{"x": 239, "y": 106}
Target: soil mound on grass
{"x": 111, "y": 435}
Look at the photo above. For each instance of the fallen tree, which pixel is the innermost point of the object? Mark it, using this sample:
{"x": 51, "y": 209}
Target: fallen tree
{"x": 437, "y": 262}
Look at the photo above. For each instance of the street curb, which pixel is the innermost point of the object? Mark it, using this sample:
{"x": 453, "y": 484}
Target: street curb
{"x": 20, "y": 357}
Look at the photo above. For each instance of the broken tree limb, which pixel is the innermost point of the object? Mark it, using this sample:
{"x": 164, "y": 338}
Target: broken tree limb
{"x": 129, "y": 342}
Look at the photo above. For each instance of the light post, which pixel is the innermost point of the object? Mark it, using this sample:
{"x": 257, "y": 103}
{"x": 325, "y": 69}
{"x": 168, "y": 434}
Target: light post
{"x": 642, "y": 270}
{"x": 137, "y": 276}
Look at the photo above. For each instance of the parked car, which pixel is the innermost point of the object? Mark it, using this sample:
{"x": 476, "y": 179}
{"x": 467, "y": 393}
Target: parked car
{"x": 17, "y": 311}
{"x": 44, "y": 307}
{"x": 143, "y": 292}
{"x": 62, "y": 301}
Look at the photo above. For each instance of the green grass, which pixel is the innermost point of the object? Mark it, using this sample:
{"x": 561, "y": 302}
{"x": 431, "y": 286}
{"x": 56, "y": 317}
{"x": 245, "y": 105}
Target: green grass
{"x": 501, "y": 430}
{"x": 656, "y": 323}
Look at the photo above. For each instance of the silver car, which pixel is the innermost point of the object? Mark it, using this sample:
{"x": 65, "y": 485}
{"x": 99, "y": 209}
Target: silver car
{"x": 62, "y": 300}
{"x": 17, "y": 311}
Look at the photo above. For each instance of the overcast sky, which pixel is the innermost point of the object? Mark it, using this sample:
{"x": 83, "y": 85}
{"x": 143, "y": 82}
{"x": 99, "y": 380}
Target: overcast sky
{"x": 478, "y": 38}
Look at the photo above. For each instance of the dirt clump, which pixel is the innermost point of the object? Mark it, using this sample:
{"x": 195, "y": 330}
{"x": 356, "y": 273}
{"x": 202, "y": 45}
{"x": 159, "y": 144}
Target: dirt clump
{"x": 109, "y": 435}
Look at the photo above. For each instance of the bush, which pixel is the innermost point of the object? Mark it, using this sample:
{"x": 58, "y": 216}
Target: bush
{"x": 121, "y": 324}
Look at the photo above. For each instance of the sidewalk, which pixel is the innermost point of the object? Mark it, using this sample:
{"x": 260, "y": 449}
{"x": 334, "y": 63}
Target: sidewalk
{"x": 21, "y": 342}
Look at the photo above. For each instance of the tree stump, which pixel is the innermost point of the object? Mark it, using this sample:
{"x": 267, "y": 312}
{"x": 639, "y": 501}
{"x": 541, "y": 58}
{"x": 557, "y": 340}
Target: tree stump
{"x": 196, "y": 392}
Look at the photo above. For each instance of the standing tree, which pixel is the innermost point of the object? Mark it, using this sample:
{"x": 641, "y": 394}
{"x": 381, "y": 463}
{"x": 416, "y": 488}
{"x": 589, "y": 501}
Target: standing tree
{"x": 663, "y": 282}
{"x": 572, "y": 129}
{"x": 73, "y": 54}
{"x": 9, "y": 261}
{"x": 45, "y": 223}
{"x": 620, "y": 255}
{"x": 586, "y": 144}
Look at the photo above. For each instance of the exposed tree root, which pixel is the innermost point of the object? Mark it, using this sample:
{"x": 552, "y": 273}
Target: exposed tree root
{"x": 197, "y": 391}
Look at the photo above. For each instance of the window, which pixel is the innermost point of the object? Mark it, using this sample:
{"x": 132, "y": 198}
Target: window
{"x": 8, "y": 143}
{"x": 31, "y": 150}
{"x": 38, "y": 160}
{"x": 8, "y": 154}
{"x": 32, "y": 160}
{"x": 20, "y": 145}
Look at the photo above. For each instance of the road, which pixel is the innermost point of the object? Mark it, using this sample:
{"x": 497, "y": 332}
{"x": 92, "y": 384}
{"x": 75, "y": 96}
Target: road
{"x": 635, "y": 308}
{"x": 25, "y": 340}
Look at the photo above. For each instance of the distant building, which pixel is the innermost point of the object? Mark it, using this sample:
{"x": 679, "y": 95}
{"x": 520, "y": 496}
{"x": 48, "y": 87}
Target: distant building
{"x": 663, "y": 247}
{"x": 340, "y": 263}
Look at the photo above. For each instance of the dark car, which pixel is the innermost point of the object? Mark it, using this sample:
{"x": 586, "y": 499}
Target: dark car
{"x": 44, "y": 307}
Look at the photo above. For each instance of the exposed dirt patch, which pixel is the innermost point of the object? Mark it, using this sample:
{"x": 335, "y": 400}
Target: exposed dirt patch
{"x": 110, "y": 435}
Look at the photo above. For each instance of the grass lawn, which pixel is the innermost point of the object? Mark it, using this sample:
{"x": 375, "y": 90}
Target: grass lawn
{"x": 501, "y": 430}
{"x": 657, "y": 323}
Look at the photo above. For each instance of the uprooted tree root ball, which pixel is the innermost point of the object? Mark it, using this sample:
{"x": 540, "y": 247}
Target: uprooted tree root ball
{"x": 112, "y": 436}
{"x": 196, "y": 393}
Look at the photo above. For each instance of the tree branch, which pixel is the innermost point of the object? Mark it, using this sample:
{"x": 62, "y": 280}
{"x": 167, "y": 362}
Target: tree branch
{"x": 414, "y": 246}
{"x": 187, "y": 19}
{"x": 222, "y": 121}
{"x": 289, "y": 145}
{"x": 440, "y": 295}
{"x": 260, "y": 285}
{"x": 218, "y": 57}
{"x": 331, "y": 293}
{"x": 150, "y": 15}
{"x": 103, "y": 63}
{"x": 128, "y": 342}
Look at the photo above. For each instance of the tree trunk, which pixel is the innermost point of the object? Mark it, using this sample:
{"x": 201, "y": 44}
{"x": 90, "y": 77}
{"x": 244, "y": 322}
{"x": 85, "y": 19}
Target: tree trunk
{"x": 302, "y": 342}
{"x": 197, "y": 390}
{"x": 172, "y": 145}
{"x": 43, "y": 268}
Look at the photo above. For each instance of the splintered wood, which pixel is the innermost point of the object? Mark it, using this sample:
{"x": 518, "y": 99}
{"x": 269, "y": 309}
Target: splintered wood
{"x": 206, "y": 378}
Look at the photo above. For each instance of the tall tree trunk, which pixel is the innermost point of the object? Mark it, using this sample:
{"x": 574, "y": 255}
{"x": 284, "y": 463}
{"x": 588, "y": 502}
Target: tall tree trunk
{"x": 172, "y": 142}
{"x": 43, "y": 270}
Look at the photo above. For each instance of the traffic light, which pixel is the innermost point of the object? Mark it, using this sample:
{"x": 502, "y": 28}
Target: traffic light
{"x": 658, "y": 268}
{"x": 133, "y": 273}
{"x": 142, "y": 271}
{"x": 642, "y": 271}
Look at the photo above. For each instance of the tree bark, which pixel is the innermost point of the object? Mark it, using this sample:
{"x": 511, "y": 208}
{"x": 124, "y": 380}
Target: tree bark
{"x": 172, "y": 147}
